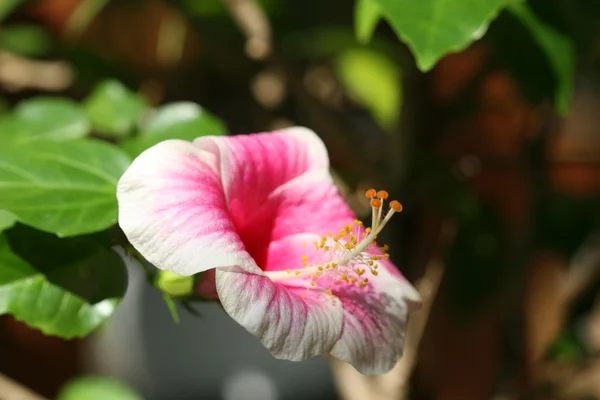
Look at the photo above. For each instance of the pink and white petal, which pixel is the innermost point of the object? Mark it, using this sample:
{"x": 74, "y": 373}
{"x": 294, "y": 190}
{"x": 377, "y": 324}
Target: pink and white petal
{"x": 173, "y": 210}
{"x": 291, "y": 326}
{"x": 309, "y": 203}
{"x": 252, "y": 166}
{"x": 375, "y": 320}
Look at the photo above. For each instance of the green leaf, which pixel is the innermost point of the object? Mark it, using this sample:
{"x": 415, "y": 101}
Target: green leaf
{"x": 172, "y": 307}
{"x": 182, "y": 120}
{"x": 97, "y": 388}
{"x": 7, "y": 6}
{"x": 83, "y": 15}
{"x": 557, "y": 48}
{"x": 50, "y": 118}
{"x": 113, "y": 109}
{"x": 65, "y": 188}
{"x": 434, "y": 28}
{"x": 26, "y": 40}
{"x": 367, "y": 14}
{"x": 374, "y": 80}
{"x": 42, "y": 296}
{"x": 6, "y": 220}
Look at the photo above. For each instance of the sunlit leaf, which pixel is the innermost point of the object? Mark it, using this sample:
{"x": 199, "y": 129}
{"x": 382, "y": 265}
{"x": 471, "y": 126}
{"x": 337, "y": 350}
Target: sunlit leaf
{"x": 25, "y": 40}
{"x": 367, "y": 14}
{"x": 83, "y": 15}
{"x": 38, "y": 296}
{"x": 113, "y": 109}
{"x": 65, "y": 188}
{"x": 6, "y": 220}
{"x": 434, "y": 28}
{"x": 374, "y": 80}
{"x": 49, "y": 118}
{"x": 97, "y": 388}
{"x": 7, "y": 6}
{"x": 557, "y": 48}
{"x": 183, "y": 120}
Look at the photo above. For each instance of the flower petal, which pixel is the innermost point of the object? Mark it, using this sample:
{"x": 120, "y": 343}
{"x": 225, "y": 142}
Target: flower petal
{"x": 252, "y": 166}
{"x": 309, "y": 203}
{"x": 277, "y": 184}
{"x": 292, "y": 322}
{"x": 375, "y": 319}
{"x": 172, "y": 209}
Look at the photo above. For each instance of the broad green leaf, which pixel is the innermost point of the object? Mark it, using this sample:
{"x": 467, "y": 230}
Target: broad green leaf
{"x": 50, "y": 118}
{"x": 7, "y": 6}
{"x": 374, "y": 80}
{"x": 65, "y": 188}
{"x": 97, "y": 388}
{"x": 39, "y": 295}
{"x": 558, "y": 49}
{"x": 113, "y": 109}
{"x": 75, "y": 264}
{"x": 26, "y": 40}
{"x": 183, "y": 120}
{"x": 367, "y": 14}
{"x": 6, "y": 220}
{"x": 434, "y": 28}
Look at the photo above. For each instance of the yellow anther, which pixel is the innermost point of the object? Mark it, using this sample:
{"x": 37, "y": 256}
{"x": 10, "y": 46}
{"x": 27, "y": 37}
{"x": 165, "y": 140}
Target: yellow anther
{"x": 304, "y": 263}
{"x": 297, "y": 272}
{"x": 289, "y": 271}
{"x": 329, "y": 292}
{"x": 368, "y": 230}
{"x": 312, "y": 283}
{"x": 320, "y": 268}
{"x": 349, "y": 246}
{"x": 386, "y": 256}
{"x": 304, "y": 258}
{"x": 374, "y": 272}
{"x": 353, "y": 280}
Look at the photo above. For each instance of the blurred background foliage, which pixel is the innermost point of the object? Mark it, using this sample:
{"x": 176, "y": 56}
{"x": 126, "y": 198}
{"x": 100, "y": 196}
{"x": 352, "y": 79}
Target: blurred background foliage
{"x": 480, "y": 115}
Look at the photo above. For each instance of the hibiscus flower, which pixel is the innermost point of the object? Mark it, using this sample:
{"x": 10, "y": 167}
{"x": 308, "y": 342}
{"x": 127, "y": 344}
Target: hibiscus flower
{"x": 282, "y": 252}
